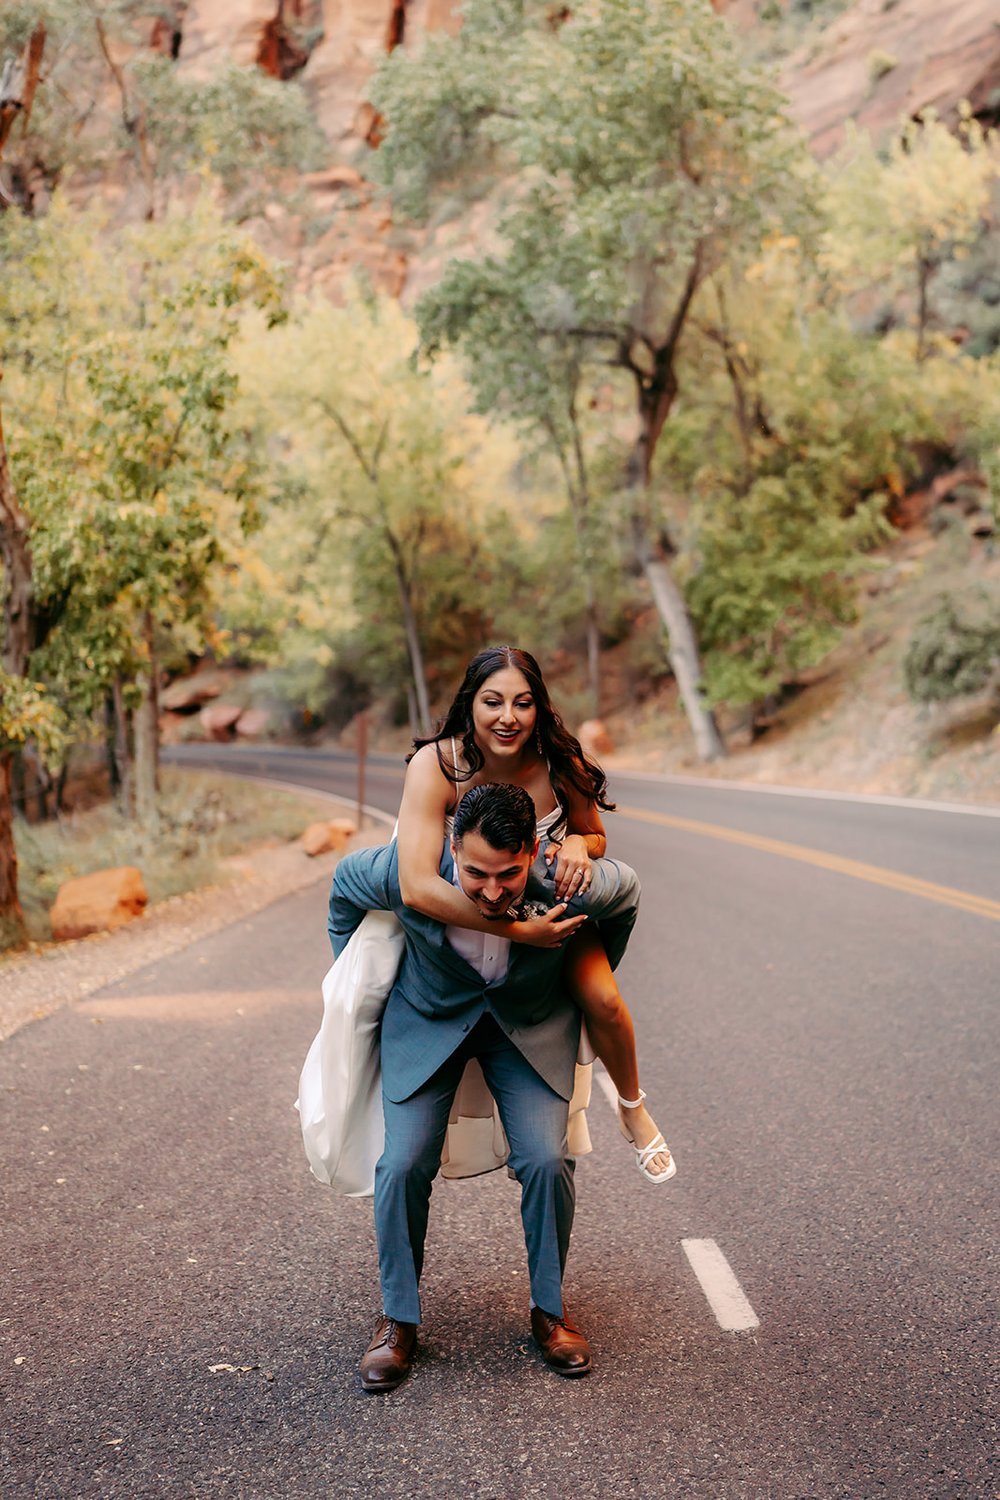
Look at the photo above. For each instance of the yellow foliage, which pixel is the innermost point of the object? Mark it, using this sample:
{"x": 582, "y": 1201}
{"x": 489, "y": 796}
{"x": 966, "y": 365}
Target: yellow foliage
{"x": 924, "y": 201}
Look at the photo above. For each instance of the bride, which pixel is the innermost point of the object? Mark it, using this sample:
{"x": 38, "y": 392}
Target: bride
{"x": 502, "y": 727}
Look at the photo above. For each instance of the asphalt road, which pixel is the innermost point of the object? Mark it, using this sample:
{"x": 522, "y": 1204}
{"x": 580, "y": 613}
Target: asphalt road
{"x": 820, "y": 1044}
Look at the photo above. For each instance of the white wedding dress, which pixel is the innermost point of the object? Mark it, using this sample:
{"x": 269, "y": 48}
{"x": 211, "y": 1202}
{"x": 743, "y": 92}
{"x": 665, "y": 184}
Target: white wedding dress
{"x": 340, "y": 1096}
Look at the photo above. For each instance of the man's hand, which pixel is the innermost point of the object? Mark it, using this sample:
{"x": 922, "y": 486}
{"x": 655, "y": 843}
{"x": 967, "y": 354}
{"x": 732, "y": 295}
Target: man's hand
{"x": 548, "y": 931}
{"x": 573, "y": 872}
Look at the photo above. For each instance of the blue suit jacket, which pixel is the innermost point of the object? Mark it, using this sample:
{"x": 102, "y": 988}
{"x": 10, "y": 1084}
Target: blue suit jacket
{"x": 438, "y": 997}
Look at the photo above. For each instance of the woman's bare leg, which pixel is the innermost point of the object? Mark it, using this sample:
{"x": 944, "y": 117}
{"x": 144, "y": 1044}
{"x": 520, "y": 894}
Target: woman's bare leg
{"x": 609, "y": 1026}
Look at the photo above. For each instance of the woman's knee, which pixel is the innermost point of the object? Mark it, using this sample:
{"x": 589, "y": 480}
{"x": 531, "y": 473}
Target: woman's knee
{"x": 602, "y": 1003}
{"x": 614, "y": 887}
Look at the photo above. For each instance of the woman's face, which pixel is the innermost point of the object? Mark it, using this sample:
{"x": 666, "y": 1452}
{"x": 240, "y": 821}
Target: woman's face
{"x": 504, "y": 713}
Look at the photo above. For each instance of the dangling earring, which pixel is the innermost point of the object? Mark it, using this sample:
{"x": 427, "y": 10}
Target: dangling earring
{"x": 538, "y": 742}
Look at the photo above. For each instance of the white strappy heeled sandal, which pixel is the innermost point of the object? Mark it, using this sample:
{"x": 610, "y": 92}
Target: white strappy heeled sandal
{"x": 644, "y": 1154}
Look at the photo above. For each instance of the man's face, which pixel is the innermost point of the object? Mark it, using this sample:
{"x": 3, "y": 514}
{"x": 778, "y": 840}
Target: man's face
{"x": 492, "y": 878}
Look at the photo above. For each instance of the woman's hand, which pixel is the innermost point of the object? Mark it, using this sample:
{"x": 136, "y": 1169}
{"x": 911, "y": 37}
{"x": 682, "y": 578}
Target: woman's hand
{"x": 547, "y": 931}
{"x": 573, "y": 866}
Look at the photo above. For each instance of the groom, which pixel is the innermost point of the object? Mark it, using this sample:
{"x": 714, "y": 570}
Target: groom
{"x": 462, "y": 994}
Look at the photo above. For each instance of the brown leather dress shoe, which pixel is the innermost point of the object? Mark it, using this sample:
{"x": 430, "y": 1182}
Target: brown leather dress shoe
{"x": 562, "y": 1344}
{"x": 389, "y": 1356}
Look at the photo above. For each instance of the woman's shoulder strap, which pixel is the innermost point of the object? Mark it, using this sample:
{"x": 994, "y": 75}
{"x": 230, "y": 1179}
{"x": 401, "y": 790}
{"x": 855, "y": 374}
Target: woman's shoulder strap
{"x": 460, "y": 787}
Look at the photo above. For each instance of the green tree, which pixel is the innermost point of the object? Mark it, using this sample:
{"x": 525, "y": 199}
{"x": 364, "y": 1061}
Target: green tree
{"x": 796, "y": 434}
{"x": 377, "y": 453}
{"x": 127, "y": 461}
{"x": 534, "y": 379}
{"x": 638, "y": 156}
{"x": 899, "y": 216}
{"x": 25, "y": 713}
{"x": 66, "y": 124}
{"x": 776, "y": 581}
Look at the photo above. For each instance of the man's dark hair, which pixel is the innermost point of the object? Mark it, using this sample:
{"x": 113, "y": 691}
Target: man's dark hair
{"x": 503, "y": 814}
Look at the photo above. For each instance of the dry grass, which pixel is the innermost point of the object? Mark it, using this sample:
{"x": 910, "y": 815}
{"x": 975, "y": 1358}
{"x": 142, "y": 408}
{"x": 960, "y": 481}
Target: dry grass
{"x": 204, "y": 819}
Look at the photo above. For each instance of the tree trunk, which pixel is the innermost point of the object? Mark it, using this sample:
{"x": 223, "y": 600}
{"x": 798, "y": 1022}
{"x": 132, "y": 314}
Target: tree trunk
{"x": 370, "y": 468}
{"x": 17, "y": 796}
{"x": 18, "y": 81}
{"x": 61, "y": 783}
{"x": 147, "y": 738}
{"x": 12, "y": 931}
{"x": 24, "y": 628}
{"x": 146, "y": 811}
{"x": 110, "y": 726}
{"x": 133, "y": 119}
{"x": 591, "y": 613}
{"x": 924, "y": 269}
{"x": 417, "y": 670}
{"x": 17, "y": 597}
{"x": 682, "y": 645}
{"x": 17, "y": 576}
{"x": 416, "y": 660}
{"x": 124, "y": 775}
{"x": 656, "y": 396}
{"x": 579, "y": 499}
{"x": 37, "y": 783}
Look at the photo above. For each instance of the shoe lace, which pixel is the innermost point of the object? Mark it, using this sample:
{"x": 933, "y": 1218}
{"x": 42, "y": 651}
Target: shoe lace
{"x": 387, "y": 1334}
{"x": 554, "y": 1323}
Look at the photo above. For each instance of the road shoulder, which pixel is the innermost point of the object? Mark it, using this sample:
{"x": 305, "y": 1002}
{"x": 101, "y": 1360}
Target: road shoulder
{"x": 36, "y": 984}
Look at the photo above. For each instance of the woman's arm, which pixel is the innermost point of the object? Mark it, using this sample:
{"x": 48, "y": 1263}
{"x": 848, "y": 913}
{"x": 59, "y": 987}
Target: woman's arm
{"x": 426, "y": 794}
{"x": 585, "y": 841}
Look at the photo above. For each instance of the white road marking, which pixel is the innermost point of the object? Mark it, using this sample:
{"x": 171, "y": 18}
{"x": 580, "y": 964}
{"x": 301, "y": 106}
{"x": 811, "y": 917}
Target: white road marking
{"x": 607, "y": 1088}
{"x": 725, "y": 1296}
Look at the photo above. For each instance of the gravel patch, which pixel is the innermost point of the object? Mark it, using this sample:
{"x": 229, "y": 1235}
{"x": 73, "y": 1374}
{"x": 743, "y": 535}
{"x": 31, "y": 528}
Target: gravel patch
{"x": 52, "y": 975}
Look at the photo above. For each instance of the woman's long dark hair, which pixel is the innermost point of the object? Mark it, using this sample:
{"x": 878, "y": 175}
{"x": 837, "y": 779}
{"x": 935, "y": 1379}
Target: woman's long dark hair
{"x": 568, "y": 765}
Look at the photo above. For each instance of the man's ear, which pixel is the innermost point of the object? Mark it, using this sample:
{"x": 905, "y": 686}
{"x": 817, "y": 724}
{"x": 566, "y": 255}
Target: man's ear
{"x": 534, "y": 852}
{"x": 454, "y": 850}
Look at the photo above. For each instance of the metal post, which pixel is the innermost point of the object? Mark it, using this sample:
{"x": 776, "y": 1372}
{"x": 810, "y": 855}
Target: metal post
{"x": 362, "y": 757}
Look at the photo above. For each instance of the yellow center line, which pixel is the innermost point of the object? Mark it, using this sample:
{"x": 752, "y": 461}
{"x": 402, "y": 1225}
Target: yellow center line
{"x": 944, "y": 895}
